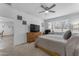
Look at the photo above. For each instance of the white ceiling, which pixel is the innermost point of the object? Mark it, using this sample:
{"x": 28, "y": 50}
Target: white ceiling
{"x": 34, "y": 9}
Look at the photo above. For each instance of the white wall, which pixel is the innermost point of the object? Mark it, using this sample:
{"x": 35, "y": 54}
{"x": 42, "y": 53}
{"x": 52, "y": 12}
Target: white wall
{"x": 19, "y": 29}
{"x": 6, "y": 27}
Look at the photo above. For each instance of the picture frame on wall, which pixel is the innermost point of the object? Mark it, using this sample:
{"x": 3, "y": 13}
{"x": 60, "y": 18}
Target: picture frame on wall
{"x": 24, "y": 22}
{"x": 19, "y": 17}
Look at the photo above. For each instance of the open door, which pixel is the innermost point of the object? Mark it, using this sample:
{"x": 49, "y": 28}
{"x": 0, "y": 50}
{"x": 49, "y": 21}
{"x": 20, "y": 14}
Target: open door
{"x": 6, "y": 38}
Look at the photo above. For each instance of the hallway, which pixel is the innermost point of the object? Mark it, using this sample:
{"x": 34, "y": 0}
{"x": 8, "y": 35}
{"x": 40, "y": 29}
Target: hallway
{"x": 6, "y": 45}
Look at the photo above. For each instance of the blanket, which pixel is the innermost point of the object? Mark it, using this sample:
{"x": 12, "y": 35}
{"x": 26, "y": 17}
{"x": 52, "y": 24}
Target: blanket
{"x": 72, "y": 46}
{"x": 56, "y": 43}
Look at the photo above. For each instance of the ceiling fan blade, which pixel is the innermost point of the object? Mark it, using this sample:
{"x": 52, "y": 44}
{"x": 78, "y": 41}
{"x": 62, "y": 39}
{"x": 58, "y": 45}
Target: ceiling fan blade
{"x": 43, "y": 7}
{"x": 41, "y": 11}
{"x": 52, "y": 6}
{"x": 51, "y": 11}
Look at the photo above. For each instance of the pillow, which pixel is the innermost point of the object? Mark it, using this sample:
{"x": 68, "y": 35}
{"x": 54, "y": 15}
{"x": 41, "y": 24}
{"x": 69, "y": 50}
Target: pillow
{"x": 47, "y": 31}
{"x": 52, "y": 32}
{"x": 59, "y": 33}
{"x": 67, "y": 34}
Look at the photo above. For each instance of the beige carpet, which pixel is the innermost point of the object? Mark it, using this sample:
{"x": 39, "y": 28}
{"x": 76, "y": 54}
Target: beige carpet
{"x": 28, "y": 50}
{"x": 7, "y": 49}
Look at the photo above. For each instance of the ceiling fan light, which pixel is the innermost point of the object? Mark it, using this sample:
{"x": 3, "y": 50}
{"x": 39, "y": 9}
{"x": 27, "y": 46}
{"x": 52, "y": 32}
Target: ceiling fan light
{"x": 46, "y": 11}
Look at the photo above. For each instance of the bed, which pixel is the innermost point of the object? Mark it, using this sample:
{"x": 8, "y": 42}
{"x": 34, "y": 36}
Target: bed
{"x": 55, "y": 45}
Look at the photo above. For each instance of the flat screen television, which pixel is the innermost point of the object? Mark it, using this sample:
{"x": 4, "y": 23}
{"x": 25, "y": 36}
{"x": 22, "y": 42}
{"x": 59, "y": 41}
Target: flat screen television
{"x": 34, "y": 28}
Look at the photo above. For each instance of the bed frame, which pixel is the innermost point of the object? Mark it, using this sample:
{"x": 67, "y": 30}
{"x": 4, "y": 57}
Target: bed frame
{"x": 51, "y": 53}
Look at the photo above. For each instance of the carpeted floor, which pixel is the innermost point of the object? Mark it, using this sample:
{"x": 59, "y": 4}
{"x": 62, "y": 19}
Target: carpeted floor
{"x": 7, "y": 49}
{"x": 28, "y": 50}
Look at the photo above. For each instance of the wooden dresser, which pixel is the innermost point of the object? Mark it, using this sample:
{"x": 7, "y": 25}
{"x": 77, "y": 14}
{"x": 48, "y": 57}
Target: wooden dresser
{"x": 32, "y": 36}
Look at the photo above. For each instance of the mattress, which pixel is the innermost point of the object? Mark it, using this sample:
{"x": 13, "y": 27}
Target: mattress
{"x": 53, "y": 37}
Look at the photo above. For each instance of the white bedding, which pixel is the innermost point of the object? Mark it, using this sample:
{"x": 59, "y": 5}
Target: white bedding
{"x": 72, "y": 47}
{"x": 55, "y": 37}
{"x": 56, "y": 43}
{"x": 52, "y": 42}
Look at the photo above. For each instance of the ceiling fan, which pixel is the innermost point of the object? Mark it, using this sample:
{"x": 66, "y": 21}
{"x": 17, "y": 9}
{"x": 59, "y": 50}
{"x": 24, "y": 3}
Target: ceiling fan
{"x": 47, "y": 9}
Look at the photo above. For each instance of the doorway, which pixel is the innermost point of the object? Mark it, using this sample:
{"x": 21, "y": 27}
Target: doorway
{"x": 6, "y": 38}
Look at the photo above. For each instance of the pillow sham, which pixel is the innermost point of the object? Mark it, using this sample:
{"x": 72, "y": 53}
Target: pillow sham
{"x": 67, "y": 34}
